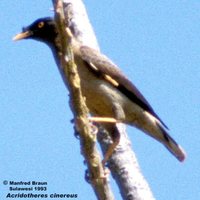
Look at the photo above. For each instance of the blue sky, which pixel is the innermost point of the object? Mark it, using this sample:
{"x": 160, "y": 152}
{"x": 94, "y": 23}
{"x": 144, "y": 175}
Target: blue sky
{"x": 156, "y": 44}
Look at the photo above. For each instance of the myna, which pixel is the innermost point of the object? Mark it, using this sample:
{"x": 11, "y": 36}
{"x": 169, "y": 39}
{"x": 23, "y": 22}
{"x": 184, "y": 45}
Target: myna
{"x": 108, "y": 92}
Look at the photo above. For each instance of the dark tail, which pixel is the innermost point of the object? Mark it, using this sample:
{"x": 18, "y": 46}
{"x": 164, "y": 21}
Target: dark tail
{"x": 171, "y": 145}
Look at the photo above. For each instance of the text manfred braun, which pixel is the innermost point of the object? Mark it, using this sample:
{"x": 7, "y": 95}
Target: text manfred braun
{"x": 25, "y": 184}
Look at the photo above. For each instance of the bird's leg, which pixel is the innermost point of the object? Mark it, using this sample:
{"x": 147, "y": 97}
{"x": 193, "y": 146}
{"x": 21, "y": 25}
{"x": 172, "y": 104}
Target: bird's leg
{"x": 118, "y": 112}
{"x": 103, "y": 119}
{"x": 115, "y": 135}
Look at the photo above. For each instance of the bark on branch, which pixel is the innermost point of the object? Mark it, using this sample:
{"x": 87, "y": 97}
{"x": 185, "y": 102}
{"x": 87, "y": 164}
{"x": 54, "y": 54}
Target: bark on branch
{"x": 79, "y": 109}
{"x": 123, "y": 163}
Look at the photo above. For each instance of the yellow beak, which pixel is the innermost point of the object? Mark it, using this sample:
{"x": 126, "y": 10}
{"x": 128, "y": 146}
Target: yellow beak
{"x": 21, "y": 36}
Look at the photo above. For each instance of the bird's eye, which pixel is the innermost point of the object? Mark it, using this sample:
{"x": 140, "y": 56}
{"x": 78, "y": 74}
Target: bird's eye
{"x": 40, "y": 24}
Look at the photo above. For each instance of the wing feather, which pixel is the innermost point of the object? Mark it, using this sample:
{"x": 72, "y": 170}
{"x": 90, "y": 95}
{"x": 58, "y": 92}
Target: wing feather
{"x": 111, "y": 73}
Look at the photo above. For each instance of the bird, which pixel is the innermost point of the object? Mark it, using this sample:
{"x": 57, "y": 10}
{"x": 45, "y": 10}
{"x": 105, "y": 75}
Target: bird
{"x": 107, "y": 90}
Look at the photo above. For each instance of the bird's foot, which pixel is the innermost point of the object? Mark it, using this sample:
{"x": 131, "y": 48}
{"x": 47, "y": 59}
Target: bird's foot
{"x": 103, "y": 177}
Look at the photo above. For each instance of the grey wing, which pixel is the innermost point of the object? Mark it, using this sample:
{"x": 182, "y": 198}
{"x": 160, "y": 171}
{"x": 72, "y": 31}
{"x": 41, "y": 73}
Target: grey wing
{"x": 101, "y": 64}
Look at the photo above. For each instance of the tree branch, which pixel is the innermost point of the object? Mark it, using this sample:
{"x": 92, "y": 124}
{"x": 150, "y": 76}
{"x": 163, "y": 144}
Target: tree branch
{"x": 123, "y": 163}
{"x": 79, "y": 109}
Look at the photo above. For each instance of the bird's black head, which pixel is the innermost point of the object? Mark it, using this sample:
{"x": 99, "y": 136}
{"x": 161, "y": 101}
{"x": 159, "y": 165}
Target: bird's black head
{"x": 43, "y": 29}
